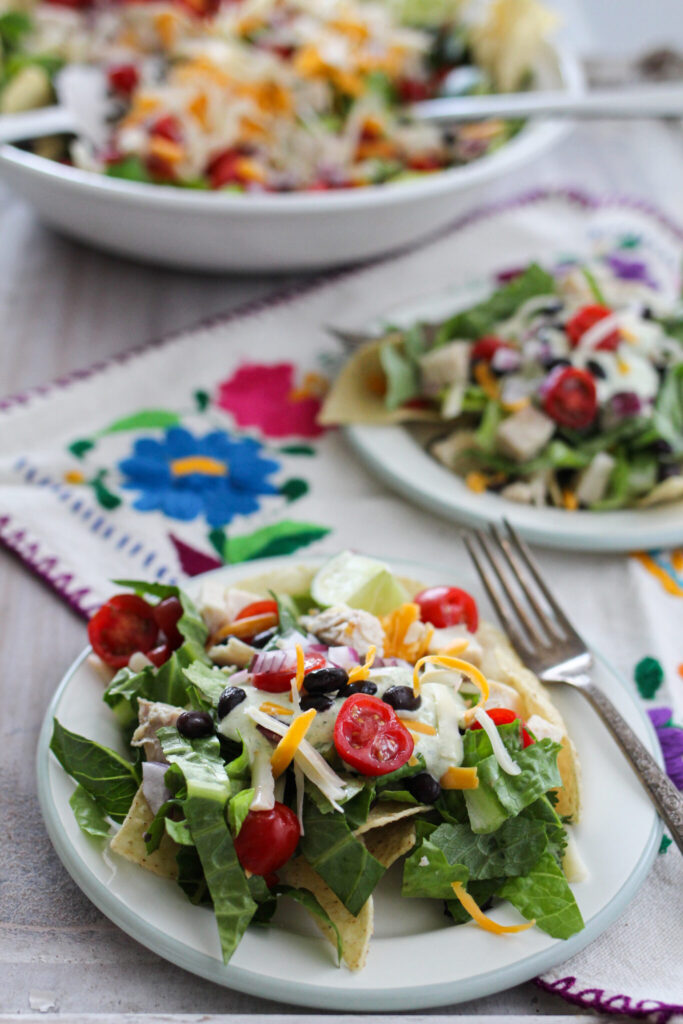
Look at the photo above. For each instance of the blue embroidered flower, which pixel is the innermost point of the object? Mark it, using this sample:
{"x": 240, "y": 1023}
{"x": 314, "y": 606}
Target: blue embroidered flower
{"x": 184, "y": 476}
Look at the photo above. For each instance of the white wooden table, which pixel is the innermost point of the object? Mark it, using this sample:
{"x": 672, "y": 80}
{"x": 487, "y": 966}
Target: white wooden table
{"x": 63, "y": 306}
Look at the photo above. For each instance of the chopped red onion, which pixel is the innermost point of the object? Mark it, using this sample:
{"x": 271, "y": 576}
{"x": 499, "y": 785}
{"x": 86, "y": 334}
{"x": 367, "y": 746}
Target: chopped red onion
{"x": 274, "y": 661}
{"x": 238, "y": 678}
{"x": 154, "y": 789}
{"x": 506, "y": 360}
{"x": 343, "y": 657}
{"x": 621, "y": 406}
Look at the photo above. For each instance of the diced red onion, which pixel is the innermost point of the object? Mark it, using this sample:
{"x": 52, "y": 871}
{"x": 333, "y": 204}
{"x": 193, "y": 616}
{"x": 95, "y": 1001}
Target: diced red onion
{"x": 621, "y": 406}
{"x": 343, "y": 657}
{"x": 274, "y": 661}
{"x": 154, "y": 789}
{"x": 238, "y": 678}
{"x": 506, "y": 360}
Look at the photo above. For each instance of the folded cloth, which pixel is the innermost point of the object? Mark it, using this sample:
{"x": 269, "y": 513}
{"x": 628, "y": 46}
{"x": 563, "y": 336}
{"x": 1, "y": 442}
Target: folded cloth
{"x": 204, "y": 449}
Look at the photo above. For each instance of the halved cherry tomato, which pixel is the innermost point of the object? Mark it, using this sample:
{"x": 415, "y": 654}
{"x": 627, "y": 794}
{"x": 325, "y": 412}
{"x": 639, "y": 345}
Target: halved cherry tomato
{"x": 167, "y": 615}
{"x": 223, "y": 169}
{"x": 587, "y": 317}
{"x": 369, "y": 736}
{"x": 257, "y": 608}
{"x": 487, "y": 347}
{"x": 448, "y": 606}
{"x": 570, "y": 397}
{"x": 123, "y": 78}
{"x": 122, "y": 626}
{"x": 280, "y": 680}
{"x": 267, "y": 839}
{"x": 503, "y": 716}
{"x": 167, "y": 127}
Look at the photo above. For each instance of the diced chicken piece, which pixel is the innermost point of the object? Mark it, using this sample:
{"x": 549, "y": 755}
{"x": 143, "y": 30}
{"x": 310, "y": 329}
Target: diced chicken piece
{"x": 235, "y": 652}
{"x": 523, "y": 435}
{"x": 153, "y": 715}
{"x": 519, "y": 491}
{"x": 503, "y": 696}
{"x": 450, "y": 449}
{"x": 443, "y": 639}
{"x": 594, "y": 480}
{"x": 341, "y": 626}
{"x": 219, "y": 605}
{"x": 543, "y": 729}
{"x": 444, "y": 366}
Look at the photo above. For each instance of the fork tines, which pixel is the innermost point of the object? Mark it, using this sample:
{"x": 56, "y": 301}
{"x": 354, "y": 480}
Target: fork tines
{"x": 514, "y": 569}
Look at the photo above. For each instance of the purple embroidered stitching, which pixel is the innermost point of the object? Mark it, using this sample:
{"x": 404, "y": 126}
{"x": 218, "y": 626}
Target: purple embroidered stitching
{"x": 593, "y": 998}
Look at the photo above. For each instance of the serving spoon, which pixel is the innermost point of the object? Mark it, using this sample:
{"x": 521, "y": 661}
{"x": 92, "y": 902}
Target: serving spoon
{"x": 83, "y": 107}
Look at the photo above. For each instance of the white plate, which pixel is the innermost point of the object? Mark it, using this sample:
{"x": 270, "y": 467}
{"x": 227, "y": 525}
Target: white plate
{"x": 218, "y": 231}
{"x": 396, "y": 455}
{"x": 416, "y": 959}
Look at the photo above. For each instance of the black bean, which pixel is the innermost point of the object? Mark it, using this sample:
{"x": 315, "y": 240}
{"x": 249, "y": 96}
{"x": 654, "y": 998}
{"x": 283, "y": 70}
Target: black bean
{"x": 553, "y": 363}
{"x": 319, "y": 701}
{"x": 363, "y": 687}
{"x": 550, "y": 308}
{"x": 661, "y": 446}
{"x": 402, "y": 698}
{"x": 229, "y": 699}
{"x": 594, "y": 367}
{"x": 647, "y": 313}
{"x": 194, "y": 725}
{"x": 424, "y": 788}
{"x": 261, "y": 639}
{"x": 667, "y": 470}
{"x": 326, "y": 680}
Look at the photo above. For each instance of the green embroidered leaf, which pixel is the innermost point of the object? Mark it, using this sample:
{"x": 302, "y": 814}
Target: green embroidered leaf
{"x": 281, "y": 538}
{"x": 297, "y": 449}
{"x": 293, "y": 489}
{"x": 105, "y": 775}
{"x": 88, "y": 813}
{"x": 202, "y": 399}
{"x": 330, "y": 847}
{"x": 146, "y": 419}
{"x": 81, "y": 447}
{"x": 544, "y": 894}
{"x": 104, "y": 496}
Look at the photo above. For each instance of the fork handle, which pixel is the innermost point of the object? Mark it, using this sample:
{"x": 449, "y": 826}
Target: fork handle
{"x": 663, "y": 793}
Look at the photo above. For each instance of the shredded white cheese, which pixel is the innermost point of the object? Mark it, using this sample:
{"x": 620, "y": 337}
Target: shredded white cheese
{"x": 499, "y": 752}
{"x": 263, "y": 783}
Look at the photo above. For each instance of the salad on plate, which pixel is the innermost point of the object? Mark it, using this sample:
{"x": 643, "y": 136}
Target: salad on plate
{"x": 272, "y": 95}
{"x": 562, "y": 387}
{"x": 294, "y": 736}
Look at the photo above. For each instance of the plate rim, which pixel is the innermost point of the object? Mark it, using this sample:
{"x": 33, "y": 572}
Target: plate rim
{"x": 320, "y": 996}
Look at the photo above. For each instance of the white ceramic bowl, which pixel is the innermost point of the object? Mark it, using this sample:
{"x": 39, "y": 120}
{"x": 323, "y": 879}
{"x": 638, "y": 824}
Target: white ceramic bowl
{"x": 295, "y": 231}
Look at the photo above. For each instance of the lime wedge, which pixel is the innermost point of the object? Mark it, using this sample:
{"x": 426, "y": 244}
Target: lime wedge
{"x": 359, "y": 582}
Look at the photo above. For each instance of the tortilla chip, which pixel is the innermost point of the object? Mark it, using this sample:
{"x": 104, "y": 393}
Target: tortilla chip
{"x": 387, "y": 813}
{"x": 128, "y": 841}
{"x": 500, "y": 661}
{"x": 357, "y": 394}
{"x": 389, "y": 843}
{"x": 355, "y": 932}
{"x": 664, "y": 493}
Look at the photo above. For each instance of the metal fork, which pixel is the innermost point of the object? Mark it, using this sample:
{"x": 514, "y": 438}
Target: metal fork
{"x": 547, "y": 642}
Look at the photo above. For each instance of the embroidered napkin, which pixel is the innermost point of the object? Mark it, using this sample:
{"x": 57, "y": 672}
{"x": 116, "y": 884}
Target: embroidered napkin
{"x": 203, "y": 449}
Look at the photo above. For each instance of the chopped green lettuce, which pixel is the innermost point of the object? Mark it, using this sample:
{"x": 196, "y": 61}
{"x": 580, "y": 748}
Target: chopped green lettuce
{"x": 543, "y": 894}
{"x": 402, "y": 376}
{"x": 106, "y": 776}
{"x": 90, "y": 817}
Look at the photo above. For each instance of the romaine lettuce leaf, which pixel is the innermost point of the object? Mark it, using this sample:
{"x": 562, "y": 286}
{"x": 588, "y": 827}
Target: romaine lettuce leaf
{"x": 481, "y": 893}
{"x": 512, "y": 850}
{"x": 90, "y": 817}
{"x": 514, "y": 792}
{"x": 306, "y": 898}
{"x": 238, "y": 809}
{"x": 110, "y": 779}
{"x": 402, "y": 376}
{"x": 544, "y": 895}
{"x": 428, "y": 872}
{"x": 330, "y": 847}
{"x": 167, "y": 684}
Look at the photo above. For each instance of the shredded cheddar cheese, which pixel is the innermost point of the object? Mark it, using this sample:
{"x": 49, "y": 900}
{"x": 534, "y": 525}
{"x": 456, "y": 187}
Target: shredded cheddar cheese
{"x": 478, "y": 915}
{"x": 569, "y": 500}
{"x": 359, "y": 674}
{"x": 414, "y": 725}
{"x": 300, "y": 667}
{"x": 477, "y": 482}
{"x": 270, "y": 708}
{"x": 484, "y": 376}
{"x": 284, "y": 752}
{"x": 461, "y": 666}
{"x": 398, "y": 626}
{"x": 459, "y": 778}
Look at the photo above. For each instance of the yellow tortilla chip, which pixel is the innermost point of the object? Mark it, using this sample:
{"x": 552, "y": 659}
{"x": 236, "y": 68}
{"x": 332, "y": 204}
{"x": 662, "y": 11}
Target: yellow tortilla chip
{"x": 664, "y": 493}
{"x": 355, "y": 932}
{"x": 357, "y": 395}
{"x": 392, "y": 841}
{"x": 386, "y": 813}
{"x": 128, "y": 841}
{"x": 501, "y": 662}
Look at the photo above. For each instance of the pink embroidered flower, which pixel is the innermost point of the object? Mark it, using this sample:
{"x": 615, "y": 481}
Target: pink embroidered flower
{"x": 265, "y": 396}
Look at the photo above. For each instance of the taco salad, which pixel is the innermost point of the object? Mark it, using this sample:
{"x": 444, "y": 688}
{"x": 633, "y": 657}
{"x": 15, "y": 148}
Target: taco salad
{"x": 292, "y": 736}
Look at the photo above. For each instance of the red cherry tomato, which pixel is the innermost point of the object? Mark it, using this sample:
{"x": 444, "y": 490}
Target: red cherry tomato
{"x": 412, "y": 90}
{"x": 448, "y": 606}
{"x": 166, "y": 615}
{"x": 587, "y": 317}
{"x": 123, "y": 78}
{"x": 258, "y": 608}
{"x": 503, "y": 716}
{"x": 75, "y": 4}
{"x": 122, "y": 626}
{"x": 279, "y": 681}
{"x": 167, "y": 127}
{"x": 223, "y": 169}
{"x": 369, "y": 736}
{"x": 570, "y": 397}
{"x": 486, "y": 348}
{"x": 267, "y": 839}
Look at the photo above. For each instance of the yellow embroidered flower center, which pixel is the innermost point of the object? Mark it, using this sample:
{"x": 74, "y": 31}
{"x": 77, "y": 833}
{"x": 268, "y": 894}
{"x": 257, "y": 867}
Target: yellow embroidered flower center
{"x": 198, "y": 464}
